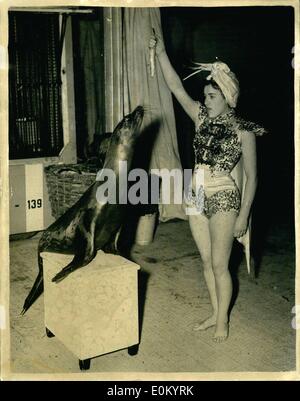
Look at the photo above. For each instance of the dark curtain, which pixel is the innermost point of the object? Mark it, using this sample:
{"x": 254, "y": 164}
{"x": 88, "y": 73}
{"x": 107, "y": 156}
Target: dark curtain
{"x": 88, "y": 48}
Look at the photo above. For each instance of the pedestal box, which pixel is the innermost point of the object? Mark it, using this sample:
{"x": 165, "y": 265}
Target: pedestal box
{"x": 94, "y": 310}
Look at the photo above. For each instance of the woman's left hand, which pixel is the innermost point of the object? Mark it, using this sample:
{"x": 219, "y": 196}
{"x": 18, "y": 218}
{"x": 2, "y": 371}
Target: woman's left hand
{"x": 240, "y": 227}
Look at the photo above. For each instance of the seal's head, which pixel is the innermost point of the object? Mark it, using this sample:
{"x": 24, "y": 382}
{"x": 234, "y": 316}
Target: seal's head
{"x": 129, "y": 128}
{"x": 124, "y": 137}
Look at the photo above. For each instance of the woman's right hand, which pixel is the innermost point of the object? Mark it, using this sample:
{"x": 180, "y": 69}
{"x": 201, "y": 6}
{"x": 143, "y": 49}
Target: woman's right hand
{"x": 157, "y": 43}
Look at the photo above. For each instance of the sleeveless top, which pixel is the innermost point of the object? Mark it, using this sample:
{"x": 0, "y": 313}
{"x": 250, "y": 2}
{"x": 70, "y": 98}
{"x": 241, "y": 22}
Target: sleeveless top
{"x": 217, "y": 140}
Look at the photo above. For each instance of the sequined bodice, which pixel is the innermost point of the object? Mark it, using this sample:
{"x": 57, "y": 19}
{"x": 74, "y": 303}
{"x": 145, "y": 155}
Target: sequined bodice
{"x": 216, "y": 142}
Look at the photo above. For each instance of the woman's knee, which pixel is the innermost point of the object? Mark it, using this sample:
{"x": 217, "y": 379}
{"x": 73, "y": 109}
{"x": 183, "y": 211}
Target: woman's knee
{"x": 219, "y": 267}
{"x": 206, "y": 262}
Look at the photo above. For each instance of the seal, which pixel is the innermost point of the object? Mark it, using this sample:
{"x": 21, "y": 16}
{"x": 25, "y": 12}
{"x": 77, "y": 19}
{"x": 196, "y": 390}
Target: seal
{"x": 90, "y": 225}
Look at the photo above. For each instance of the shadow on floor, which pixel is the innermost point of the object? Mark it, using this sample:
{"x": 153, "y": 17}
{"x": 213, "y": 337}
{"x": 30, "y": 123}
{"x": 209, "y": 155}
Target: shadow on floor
{"x": 143, "y": 278}
{"x": 234, "y": 264}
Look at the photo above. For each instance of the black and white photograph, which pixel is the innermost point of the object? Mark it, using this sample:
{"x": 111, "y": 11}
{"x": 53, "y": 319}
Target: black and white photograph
{"x": 149, "y": 190}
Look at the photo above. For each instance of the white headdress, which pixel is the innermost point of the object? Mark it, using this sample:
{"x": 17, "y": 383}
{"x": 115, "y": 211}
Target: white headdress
{"x": 224, "y": 78}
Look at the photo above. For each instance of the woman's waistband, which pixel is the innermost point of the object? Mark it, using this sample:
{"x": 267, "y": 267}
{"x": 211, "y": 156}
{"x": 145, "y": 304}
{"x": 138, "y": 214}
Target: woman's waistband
{"x": 208, "y": 171}
{"x": 212, "y": 180}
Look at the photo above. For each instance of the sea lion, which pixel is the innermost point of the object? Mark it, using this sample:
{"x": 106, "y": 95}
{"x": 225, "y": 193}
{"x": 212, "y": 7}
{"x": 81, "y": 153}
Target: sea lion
{"x": 89, "y": 225}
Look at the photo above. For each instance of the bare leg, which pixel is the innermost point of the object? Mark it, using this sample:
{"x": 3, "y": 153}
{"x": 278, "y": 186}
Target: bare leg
{"x": 221, "y": 230}
{"x": 199, "y": 225}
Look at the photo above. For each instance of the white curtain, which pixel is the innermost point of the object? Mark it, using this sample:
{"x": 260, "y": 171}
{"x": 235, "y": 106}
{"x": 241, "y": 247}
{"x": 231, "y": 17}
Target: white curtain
{"x": 152, "y": 92}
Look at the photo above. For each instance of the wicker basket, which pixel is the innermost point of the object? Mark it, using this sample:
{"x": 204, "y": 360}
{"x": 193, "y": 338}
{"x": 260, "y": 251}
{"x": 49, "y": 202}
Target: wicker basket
{"x": 66, "y": 183}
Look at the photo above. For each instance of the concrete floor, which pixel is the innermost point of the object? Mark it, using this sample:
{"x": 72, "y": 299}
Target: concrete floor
{"x": 173, "y": 297}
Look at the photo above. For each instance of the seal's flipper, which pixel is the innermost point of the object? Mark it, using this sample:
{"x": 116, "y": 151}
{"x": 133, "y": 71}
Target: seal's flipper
{"x": 37, "y": 288}
{"x": 85, "y": 250}
{"x": 76, "y": 263}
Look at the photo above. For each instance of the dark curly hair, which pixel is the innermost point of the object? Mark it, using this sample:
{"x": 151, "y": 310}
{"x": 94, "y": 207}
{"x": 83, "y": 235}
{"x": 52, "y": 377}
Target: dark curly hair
{"x": 214, "y": 85}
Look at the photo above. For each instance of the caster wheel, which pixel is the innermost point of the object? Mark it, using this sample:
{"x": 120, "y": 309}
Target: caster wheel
{"x": 49, "y": 333}
{"x": 133, "y": 350}
{"x": 84, "y": 364}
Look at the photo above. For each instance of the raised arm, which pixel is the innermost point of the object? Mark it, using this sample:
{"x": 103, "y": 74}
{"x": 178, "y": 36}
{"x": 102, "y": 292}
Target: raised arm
{"x": 172, "y": 79}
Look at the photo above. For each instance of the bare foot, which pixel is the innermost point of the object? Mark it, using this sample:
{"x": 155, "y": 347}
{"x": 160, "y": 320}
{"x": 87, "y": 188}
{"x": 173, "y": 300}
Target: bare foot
{"x": 211, "y": 321}
{"x": 221, "y": 333}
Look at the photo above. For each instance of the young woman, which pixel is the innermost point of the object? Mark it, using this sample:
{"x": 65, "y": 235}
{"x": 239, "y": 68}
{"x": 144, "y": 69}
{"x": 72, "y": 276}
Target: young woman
{"x": 221, "y": 139}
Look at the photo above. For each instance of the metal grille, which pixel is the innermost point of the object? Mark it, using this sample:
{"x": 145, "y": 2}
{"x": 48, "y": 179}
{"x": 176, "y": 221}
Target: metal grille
{"x": 35, "y": 117}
